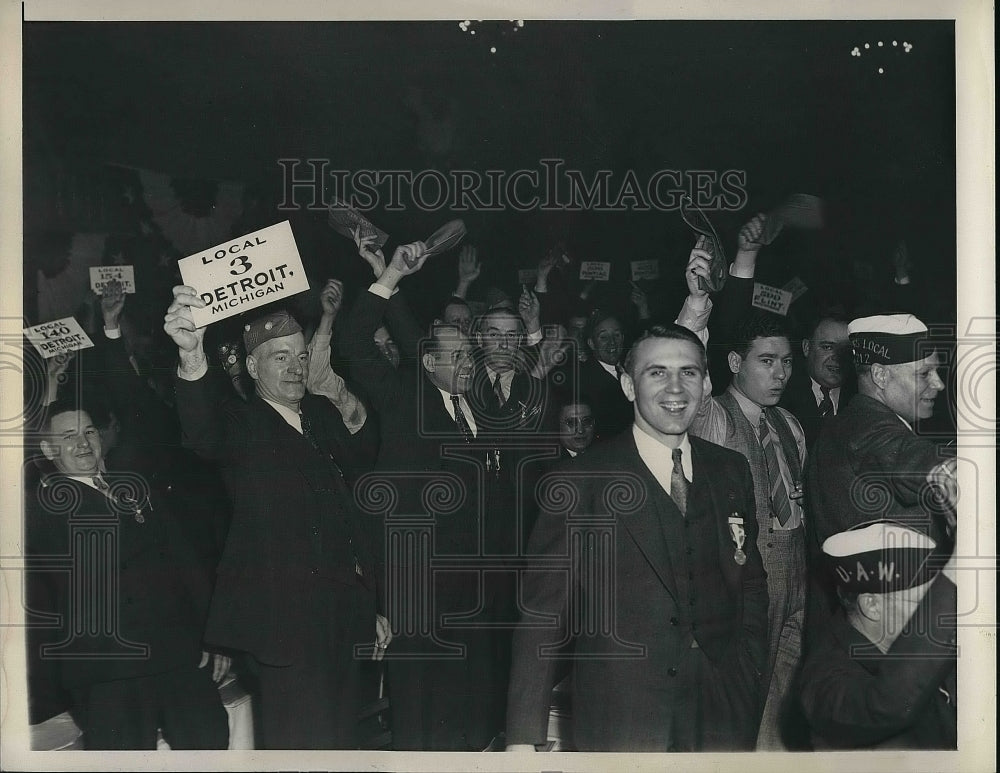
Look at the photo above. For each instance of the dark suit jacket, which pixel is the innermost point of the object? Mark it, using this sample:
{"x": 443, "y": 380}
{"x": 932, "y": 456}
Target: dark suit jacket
{"x": 162, "y": 596}
{"x": 439, "y": 702}
{"x": 799, "y": 399}
{"x": 867, "y": 465}
{"x": 289, "y": 555}
{"x": 613, "y": 413}
{"x": 888, "y": 701}
{"x": 626, "y": 699}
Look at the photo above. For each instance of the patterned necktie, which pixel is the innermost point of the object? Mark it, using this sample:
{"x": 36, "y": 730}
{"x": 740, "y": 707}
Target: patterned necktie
{"x": 678, "y": 483}
{"x": 461, "y": 421}
{"x": 780, "y": 505}
{"x": 101, "y": 485}
{"x": 826, "y": 404}
{"x": 498, "y": 391}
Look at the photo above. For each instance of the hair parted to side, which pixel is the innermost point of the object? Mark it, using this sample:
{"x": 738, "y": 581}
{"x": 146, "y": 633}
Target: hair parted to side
{"x": 670, "y": 332}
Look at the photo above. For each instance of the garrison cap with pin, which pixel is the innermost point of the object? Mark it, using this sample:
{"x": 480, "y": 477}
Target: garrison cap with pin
{"x": 274, "y": 325}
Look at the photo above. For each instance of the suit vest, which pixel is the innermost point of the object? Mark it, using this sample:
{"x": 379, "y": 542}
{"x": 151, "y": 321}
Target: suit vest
{"x": 742, "y": 437}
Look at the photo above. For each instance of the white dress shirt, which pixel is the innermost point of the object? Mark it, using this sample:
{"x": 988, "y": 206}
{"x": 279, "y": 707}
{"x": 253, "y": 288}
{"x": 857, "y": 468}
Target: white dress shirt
{"x": 659, "y": 458}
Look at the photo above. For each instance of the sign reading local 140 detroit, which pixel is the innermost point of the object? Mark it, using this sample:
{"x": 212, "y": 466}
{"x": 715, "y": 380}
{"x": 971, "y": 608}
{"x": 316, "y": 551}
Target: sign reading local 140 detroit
{"x": 241, "y": 274}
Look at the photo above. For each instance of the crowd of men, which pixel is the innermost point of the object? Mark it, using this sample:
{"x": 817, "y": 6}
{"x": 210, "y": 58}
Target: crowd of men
{"x": 711, "y": 531}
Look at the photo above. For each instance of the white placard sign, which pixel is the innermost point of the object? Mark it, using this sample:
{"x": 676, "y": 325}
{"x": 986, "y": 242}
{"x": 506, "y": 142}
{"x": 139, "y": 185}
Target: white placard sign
{"x": 101, "y": 275}
{"x": 796, "y": 287}
{"x": 245, "y": 273}
{"x": 527, "y": 276}
{"x": 645, "y": 269}
{"x": 595, "y": 269}
{"x": 57, "y": 337}
{"x": 771, "y": 298}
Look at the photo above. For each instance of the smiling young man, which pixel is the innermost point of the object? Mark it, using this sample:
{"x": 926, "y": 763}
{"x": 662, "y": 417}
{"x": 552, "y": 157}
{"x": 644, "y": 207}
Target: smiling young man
{"x": 747, "y": 418}
{"x": 678, "y": 668}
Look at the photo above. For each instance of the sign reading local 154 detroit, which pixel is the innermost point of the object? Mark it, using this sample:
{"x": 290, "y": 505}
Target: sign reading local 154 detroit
{"x": 244, "y": 273}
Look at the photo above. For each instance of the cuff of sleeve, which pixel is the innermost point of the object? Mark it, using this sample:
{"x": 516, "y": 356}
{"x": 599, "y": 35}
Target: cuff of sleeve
{"x": 904, "y": 281}
{"x": 381, "y": 290}
{"x": 534, "y": 338}
{"x": 741, "y": 273}
{"x": 200, "y": 372}
{"x": 114, "y": 335}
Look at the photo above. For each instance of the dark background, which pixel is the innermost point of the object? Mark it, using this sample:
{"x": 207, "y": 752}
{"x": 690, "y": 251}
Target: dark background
{"x": 784, "y": 101}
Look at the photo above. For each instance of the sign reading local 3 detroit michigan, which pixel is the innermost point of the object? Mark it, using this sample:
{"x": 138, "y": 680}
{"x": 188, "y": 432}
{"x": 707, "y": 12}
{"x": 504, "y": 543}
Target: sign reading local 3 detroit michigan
{"x": 244, "y": 273}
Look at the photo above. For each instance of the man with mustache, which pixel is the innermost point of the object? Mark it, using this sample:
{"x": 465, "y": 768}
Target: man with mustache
{"x": 447, "y": 667}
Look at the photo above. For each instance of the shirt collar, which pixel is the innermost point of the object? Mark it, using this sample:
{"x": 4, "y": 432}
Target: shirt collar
{"x": 750, "y": 409}
{"x": 609, "y": 368}
{"x": 292, "y": 418}
{"x": 817, "y": 391}
{"x": 464, "y": 404}
{"x": 659, "y": 457}
{"x": 505, "y": 378}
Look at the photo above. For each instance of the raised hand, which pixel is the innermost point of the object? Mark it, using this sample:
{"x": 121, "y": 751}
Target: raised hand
{"x": 112, "y": 304}
{"x": 751, "y": 235}
{"x": 409, "y": 258}
{"x": 530, "y": 308}
{"x": 640, "y": 299}
{"x": 699, "y": 265}
{"x": 178, "y": 323}
{"x": 373, "y": 256}
{"x": 331, "y": 297}
{"x": 468, "y": 264}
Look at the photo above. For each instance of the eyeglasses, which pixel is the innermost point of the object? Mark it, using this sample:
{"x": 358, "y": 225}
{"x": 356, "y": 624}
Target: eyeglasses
{"x": 585, "y": 422}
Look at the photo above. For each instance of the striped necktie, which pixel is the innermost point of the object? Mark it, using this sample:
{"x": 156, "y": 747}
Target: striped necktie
{"x": 780, "y": 506}
{"x": 461, "y": 421}
{"x": 498, "y": 391}
{"x": 826, "y": 404}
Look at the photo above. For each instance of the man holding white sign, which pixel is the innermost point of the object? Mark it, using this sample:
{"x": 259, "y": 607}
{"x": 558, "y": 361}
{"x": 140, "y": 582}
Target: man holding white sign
{"x": 296, "y": 585}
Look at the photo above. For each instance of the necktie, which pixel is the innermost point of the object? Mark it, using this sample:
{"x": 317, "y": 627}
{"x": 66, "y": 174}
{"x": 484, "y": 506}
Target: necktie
{"x": 121, "y": 500}
{"x": 826, "y": 404}
{"x": 498, "y": 391}
{"x": 461, "y": 421}
{"x": 309, "y": 434}
{"x": 780, "y": 505}
{"x": 678, "y": 483}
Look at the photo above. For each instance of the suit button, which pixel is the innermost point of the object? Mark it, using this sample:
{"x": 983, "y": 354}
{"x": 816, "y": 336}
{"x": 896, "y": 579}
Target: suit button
{"x": 674, "y": 621}
{"x": 770, "y": 544}
{"x": 689, "y": 551}
{"x": 691, "y": 602}
{"x": 770, "y": 530}
{"x": 314, "y": 572}
{"x": 672, "y": 671}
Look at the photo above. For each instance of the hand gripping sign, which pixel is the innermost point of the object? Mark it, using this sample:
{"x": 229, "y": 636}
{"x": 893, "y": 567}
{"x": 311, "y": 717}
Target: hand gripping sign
{"x": 244, "y": 273}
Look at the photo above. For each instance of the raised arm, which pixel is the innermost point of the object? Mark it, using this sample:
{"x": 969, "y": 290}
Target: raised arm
{"x": 322, "y": 378}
